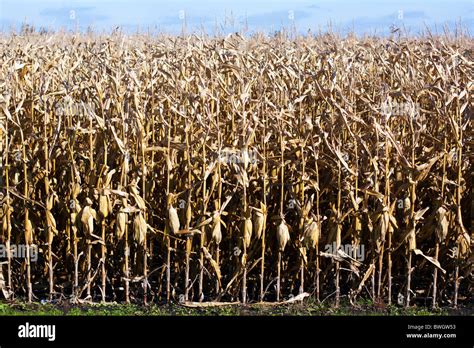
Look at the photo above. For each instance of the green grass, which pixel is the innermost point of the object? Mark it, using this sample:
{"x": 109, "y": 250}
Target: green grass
{"x": 307, "y": 308}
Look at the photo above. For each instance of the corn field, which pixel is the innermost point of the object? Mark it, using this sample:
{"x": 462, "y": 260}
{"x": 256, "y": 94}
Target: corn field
{"x": 154, "y": 169}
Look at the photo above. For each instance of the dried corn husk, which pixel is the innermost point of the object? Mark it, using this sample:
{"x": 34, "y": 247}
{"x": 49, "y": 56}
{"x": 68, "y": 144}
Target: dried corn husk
{"x": 140, "y": 228}
{"x": 411, "y": 239}
{"x": 216, "y": 234}
{"x": 442, "y": 224}
{"x": 247, "y": 232}
{"x": 406, "y": 204}
{"x": 121, "y": 224}
{"x": 464, "y": 244}
{"x": 312, "y": 231}
{"x": 259, "y": 219}
{"x": 382, "y": 228}
{"x": 188, "y": 214}
{"x": 6, "y": 220}
{"x": 283, "y": 235}
{"x": 87, "y": 219}
{"x": 104, "y": 205}
{"x": 51, "y": 222}
{"x": 28, "y": 230}
{"x": 173, "y": 220}
{"x": 49, "y": 202}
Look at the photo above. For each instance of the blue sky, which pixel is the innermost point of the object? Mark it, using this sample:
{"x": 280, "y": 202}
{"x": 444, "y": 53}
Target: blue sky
{"x": 364, "y": 16}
